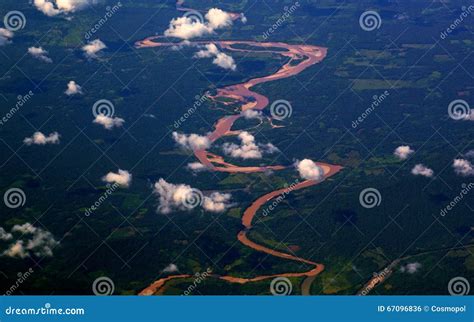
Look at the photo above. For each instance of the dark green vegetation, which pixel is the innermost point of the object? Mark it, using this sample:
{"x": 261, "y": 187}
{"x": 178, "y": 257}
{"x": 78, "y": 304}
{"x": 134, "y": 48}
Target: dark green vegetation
{"x": 127, "y": 241}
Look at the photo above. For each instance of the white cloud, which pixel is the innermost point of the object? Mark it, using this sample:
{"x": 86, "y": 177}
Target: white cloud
{"x": 403, "y": 152}
{"x": 182, "y": 197}
{"x": 210, "y": 51}
{"x": 122, "y": 178}
{"x": 469, "y": 154}
{"x": 40, "y": 53}
{"x": 4, "y": 235}
{"x": 248, "y": 149}
{"x": 268, "y": 148}
{"x": 187, "y": 28}
{"x": 181, "y": 45}
{"x": 56, "y": 7}
{"x": 225, "y": 61}
{"x": 243, "y": 18}
{"x": 220, "y": 59}
{"x": 410, "y": 268}
{"x": 108, "y": 122}
{"x": 16, "y": 249}
{"x": 39, "y": 138}
{"x": 217, "y": 202}
{"x": 93, "y": 47}
{"x": 218, "y": 18}
{"x": 309, "y": 170}
{"x": 73, "y": 88}
{"x": 421, "y": 170}
{"x": 251, "y": 114}
{"x": 26, "y": 228}
{"x": 470, "y": 116}
{"x": 32, "y": 240}
{"x": 5, "y": 36}
{"x": 463, "y": 167}
{"x": 171, "y": 268}
{"x": 192, "y": 141}
{"x": 196, "y": 167}
{"x": 171, "y": 197}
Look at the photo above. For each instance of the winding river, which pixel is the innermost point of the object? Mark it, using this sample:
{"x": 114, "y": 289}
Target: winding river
{"x": 300, "y": 57}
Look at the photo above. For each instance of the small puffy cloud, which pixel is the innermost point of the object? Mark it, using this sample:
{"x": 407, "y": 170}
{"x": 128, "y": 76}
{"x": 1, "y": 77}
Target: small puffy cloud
{"x": 55, "y": 7}
{"x": 309, "y": 170}
{"x": 108, "y": 122}
{"x": 217, "y": 202}
{"x": 218, "y": 18}
{"x": 122, "y": 178}
{"x": 73, "y": 88}
{"x": 172, "y": 197}
{"x": 248, "y": 149}
{"x": 225, "y": 61}
{"x": 220, "y": 59}
{"x": 403, "y": 152}
{"x": 251, "y": 114}
{"x": 39, "y": 138}
{"x": 181, "y": 45}
{"x": 421, "y": 170}
{"x": 196, "y": 167}
{"x": 171, "y": 268}
{"x": 16, "y": 249}
{"x": 410, "y": 268}
{"x": 192, "y": 141}
{"x": 187, "y": 28}
{"x": 469, "y": 116}
{"x": 243, "y": 18}
{"x": 93, "y": 47}
{"x": 182, "y": 197}
{"x": 4, "y": 235}
{"x": 31, "y": 240}
{"x": 209, "y": 51}
{"x": 5, "y": 36}
{"x": 469, "y": 154}
{"x": 268, "y": 148}
{"x": 463, "y": 167}
{"x": 40, "y": 53}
